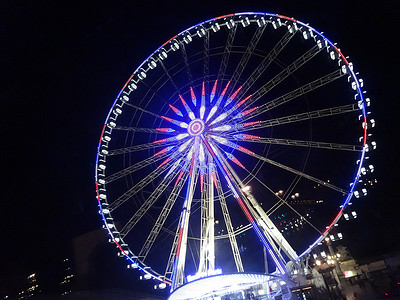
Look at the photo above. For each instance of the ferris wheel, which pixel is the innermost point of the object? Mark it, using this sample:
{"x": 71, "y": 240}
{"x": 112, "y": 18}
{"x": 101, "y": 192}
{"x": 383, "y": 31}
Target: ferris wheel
{"x": 244, "y": 132}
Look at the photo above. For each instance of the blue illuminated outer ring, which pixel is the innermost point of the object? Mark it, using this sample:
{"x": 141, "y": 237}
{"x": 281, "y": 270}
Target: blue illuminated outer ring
{"x": 144, "y": 67}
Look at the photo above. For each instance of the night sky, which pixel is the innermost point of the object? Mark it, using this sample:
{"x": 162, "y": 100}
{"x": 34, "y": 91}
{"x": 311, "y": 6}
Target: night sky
{"x": 62, "y": 64}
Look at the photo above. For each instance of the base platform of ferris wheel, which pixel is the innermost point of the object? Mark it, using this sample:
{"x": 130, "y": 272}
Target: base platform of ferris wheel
{"x": 233, "y": 286}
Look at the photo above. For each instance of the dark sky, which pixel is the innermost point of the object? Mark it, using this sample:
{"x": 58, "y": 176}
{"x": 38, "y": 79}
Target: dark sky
{"x": 62, "y": 64}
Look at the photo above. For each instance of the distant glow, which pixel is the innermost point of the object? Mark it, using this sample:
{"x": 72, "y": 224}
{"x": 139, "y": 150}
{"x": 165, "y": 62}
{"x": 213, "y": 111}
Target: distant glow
{"x": 247, "y": 188}
{"x": 348, "y": 274}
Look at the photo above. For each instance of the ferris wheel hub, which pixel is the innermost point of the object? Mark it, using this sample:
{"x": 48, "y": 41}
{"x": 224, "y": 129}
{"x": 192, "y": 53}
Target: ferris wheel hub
{"x": 196, "y": 127}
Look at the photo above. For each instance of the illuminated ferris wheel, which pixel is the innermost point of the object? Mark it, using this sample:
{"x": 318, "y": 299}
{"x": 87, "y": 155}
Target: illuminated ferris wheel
{"x": 242, "y": 133}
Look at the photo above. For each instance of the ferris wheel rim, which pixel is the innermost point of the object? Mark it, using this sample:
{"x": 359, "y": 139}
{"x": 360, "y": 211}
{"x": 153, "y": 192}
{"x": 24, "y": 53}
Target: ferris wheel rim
{"x": 142, "y": 67}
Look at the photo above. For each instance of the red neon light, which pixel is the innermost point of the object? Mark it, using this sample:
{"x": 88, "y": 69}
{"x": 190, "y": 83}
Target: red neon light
{"x": 160, "y": 141}
{"x": 169, "y": 40}
{"x": 224, "y": 16}
{"x": 340, "y": 53}
{"x": 236, "y": 161}
{"x": 201, "y": 182}
{"x": 178, "y": 250}
{"x": 214, "y": 177}
{"x": 246, "y": 212}
{"x": 333, "y": 222}
{"x": 365, "y": 131}
{"x": 164, "y": 162}
{"x": 226, "y": 170}
{"x": 224, "y": 91}
{"x": 177, "y": 111}
{"x": 232, "y": 97}
{"x": 240, "y": 148}
{"x": 166, "y": 118}
{"x": 123, "y": 252}
{"x": 191, "y": 165}
{"x": 192, "y": 94}
{"x": 102, "y": 132}
{"x": 164, "y": 129}
{"x": 161, "y": 152}
{"x": 127, "y": 81}
{"x": 291, "y": 19}
{"x": 213, "y": 90}
{"x": 250, "y": 137}
{"x": 178, "y": 178}
{"x": 243, "y": 101}
{"x": 251, "y": 123}
{"x": 246, "y": 112}
{"x": 208, "y": 147}
{"x": 183, "y": 101}
{"x": 97, "y": 192}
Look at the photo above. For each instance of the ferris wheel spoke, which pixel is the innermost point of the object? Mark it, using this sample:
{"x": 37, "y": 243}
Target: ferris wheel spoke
{"x": 299, "y": 143}
{"x": 161, "y": 187}
{"x": 317, "y": 83}
{"x": 245, "y": 57}
{"x": 321, "y": 113}
{"x": 206, "y": 56}
{"x": 169, "y": 77}
{"x": 229, "y": 227}
{"x": 186, "y": 61}
{"x": 207, "y": 236}
{"x": 266, "y": 62}
{"x": 139, "y": 186}
{"x": 143, "y": 110}
{"x": 281, "y": 76}
{"x": 292, "y": 170}
{"x": 226, "y": 54}
{"x": 141, "y": 147}
{"x": 159, "y": 223}
{"x": 183, "y": 226}
{"x": 171, "y": 263}
{"x": 135, "y": 167}
{"x": 146, "y": 130}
